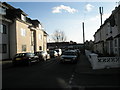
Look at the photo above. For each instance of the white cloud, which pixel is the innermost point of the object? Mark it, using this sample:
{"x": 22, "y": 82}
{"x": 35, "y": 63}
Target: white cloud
{"x": 59, "y": 9}
{"x": 89, "y": 7}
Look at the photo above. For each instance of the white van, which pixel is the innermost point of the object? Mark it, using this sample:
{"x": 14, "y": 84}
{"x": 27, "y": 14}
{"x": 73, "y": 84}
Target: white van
{"x": 59, "y": 51}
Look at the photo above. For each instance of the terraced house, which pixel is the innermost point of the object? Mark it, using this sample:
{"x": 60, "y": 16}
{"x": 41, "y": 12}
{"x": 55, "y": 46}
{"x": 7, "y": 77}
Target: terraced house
{"x": 19, "y": 33}
{"x": 107, "y": 37}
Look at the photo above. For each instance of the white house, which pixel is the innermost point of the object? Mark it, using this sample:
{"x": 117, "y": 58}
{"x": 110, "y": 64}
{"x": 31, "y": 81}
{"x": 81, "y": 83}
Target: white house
{"x": 107, "y": 37}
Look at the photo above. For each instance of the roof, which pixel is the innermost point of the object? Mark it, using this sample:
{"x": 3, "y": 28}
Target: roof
{"x": 7, "y": 5}
{"x": 11, "y": 7}
{"x": 20, "y": 11}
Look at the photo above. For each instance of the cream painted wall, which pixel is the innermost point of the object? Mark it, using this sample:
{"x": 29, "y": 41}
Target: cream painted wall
{"x": 23, "y": 40}
{"x": 39, "y": 39}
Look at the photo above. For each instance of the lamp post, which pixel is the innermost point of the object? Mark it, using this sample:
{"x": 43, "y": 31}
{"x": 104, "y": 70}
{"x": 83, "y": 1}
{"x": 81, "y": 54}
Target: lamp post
{"x": 83, "y": 38}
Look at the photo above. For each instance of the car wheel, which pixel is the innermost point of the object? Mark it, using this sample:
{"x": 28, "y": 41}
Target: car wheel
{"x": 38, "y": 60}
{"x": 62, "y": 61}
{"x": 29, "y": 63}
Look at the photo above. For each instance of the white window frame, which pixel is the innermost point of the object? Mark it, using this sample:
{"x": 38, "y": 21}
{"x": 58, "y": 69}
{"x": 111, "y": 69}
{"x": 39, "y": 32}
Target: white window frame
{"x": 23, "y": 32}
{"x": 23, "y": 17}
{"x": 40, "y": 27}
{"x": 40, "y": 36}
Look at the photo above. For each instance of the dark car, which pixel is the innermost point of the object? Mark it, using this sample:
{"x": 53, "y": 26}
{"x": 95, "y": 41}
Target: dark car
{"x": 25, "y": 58}
{"x": 69, "y": 56}
{"x": 78, "y": 52}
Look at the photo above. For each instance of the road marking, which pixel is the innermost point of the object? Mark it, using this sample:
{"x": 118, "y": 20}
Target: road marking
{"x": 71, "y": 79}
{"x": 70, "y": 82}
{"x": 72, "y": 76}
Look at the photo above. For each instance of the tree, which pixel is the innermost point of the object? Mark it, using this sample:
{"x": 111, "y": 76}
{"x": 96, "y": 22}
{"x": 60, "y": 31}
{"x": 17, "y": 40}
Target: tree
{"x": 59, "y": 36}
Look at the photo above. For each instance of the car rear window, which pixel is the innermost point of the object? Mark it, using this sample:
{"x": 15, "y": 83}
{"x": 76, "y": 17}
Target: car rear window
{"x": 20, "y": 55}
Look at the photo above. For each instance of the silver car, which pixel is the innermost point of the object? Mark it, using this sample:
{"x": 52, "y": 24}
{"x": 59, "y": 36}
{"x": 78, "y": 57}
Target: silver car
{"x": 42, "y": 55}
{"x": 69, "y": 56}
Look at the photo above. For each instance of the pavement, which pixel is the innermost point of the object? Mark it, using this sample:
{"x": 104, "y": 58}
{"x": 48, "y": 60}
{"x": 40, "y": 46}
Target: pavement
{"x": 87, "y": 78}
{"x": 84, "y": 66}
{"x": 6, "y": 63}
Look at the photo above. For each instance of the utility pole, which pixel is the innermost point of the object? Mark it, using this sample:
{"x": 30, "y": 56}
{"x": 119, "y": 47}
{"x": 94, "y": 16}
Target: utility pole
{"x": 83, "y": 38}
{"x": 101, "y": 13}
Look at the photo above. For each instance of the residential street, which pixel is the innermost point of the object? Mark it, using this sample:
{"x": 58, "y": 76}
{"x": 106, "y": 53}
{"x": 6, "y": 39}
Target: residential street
{"x": 63, "y": 45}
{"x": 50, "y": 74}
{"x": 53, "y": 74}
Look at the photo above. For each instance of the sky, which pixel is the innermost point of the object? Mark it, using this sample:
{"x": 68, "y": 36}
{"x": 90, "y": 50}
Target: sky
{"x": 68, "y": 17}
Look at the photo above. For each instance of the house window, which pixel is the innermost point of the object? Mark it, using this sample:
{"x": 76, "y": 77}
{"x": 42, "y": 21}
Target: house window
{"x": 108, "y": 45}
{"x": 23, "y": 32}
{"x": 23, "y": 17}
{"x": 3, "y": 48}
{"x": 3, "y": 29}
{"x": 3, "y": 10}
{"x": 23, "y": 48}
{"x": 110, "y": 29}
{"x": 119, "y": 45}
{"x": 40, "y": 36}
{"x": 40, "y": 47}
{"x": 115, "y": 42}
{"x": 111, "y": 47}
{"x": 40, "y": 26}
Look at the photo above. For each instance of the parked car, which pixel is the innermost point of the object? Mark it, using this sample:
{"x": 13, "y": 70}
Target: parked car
{"x": 53, "y": 53}
{"x": 78, "y": 51}
{"x": 59, "y": 51}
{"x": 42, "y": 55}
{"x": 25, "y": 58}
{"x": 69, "y": 56}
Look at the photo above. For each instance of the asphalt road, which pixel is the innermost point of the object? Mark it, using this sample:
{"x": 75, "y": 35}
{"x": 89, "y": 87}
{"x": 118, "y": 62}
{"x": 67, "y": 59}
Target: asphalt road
{"x": 53, "y": 74}
{"x": 49, "y": 74}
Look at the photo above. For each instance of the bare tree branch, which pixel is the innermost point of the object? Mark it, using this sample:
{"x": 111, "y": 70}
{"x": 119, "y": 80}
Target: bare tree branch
{"x": 59, "y": 36}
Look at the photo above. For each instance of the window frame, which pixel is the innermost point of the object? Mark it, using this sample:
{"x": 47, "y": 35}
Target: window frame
{"x": 40, "y": 47}
{"x": 3, "y": 29}
{"x": 23, "y": 17}
{"x": 23, "y": 32}
{"x": 3, "y": 48}
{"x": 24, "y": 48}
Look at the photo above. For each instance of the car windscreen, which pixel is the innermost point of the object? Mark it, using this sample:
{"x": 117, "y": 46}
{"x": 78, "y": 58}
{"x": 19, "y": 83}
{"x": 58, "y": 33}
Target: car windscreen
{"x": 36, "y": 53}
{"x": 68, "y": 53}
{"x": 30, "y": 54}
{"x": 57, "y": 50}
